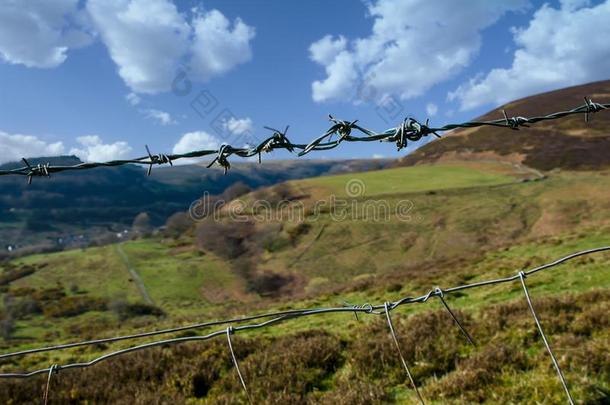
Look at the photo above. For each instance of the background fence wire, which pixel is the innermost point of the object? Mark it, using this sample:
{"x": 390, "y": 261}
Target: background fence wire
{"x": 410, "y": 130}
{"x": 274, "y": 318}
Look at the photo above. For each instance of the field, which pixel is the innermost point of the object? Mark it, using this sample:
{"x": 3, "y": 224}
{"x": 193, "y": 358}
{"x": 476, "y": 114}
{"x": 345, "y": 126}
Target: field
{"x": 462, "y": 222}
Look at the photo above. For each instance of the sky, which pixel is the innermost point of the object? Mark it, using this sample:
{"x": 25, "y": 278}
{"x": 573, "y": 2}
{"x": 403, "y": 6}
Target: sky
{"x": 102, "y": 78}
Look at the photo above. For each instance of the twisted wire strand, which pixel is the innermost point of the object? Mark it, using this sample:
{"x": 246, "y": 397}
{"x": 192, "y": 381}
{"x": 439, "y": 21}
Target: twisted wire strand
{"x": 276, "y": 318}
{"x": 410, "y": 130}
{"x": 545, "y": 340}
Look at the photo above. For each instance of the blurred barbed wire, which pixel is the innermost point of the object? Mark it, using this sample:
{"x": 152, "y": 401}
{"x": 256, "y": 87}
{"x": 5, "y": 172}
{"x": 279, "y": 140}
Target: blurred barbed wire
{"x": 410, "y": 130}
{"x": 273, "y": 318}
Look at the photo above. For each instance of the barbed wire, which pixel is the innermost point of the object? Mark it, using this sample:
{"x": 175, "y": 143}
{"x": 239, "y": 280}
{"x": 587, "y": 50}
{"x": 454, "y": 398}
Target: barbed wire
{"x": 282, "y": 316}
{"x": 410, "y": 130}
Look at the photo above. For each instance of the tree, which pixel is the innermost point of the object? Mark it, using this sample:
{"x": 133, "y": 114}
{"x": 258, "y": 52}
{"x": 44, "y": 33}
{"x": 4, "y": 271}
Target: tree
{"x": 235, "y": 190}
{"x": 177, "y": 224}
{"x": 141, "y": 224}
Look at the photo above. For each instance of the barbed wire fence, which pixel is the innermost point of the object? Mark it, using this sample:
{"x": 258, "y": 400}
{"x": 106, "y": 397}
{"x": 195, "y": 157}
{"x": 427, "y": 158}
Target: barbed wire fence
{"x": 274, "y": 318}
{"x": 410, "y": 130}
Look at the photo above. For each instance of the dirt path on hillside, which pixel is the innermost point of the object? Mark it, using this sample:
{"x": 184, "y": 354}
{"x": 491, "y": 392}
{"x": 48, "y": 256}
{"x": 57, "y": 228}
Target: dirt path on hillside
{"x": 134, "y": 275}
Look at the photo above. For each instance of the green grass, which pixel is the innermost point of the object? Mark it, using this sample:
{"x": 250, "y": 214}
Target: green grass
{"x": 410, "y": 179}
{"x": 477, "y": 226}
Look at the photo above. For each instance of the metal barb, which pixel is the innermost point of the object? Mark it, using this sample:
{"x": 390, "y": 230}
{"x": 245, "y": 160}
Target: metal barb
{"x": 158, "y": 159}
{"x": 592, "y": 108}
{"x": 230, "y": 331}
{"x": 544, "y": 339}
{"x": 387, "y": 306}
{"x": 409, "y": 130}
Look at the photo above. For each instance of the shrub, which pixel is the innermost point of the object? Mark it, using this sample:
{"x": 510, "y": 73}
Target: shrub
{"x": 228, "y": 240}
{"x": 177, "y": 224}
{"x": 124, "y": 310}
{"x": 11, "y": 274}
{"x": 269, "y": 283}
{"x": 73, "y": 306}
{"x": 235, "y": 190}
{"x": 7, "y": 326}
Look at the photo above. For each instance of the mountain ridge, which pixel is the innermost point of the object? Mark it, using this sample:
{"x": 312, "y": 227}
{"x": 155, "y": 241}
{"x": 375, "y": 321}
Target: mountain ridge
{"x": 567, "y": 143}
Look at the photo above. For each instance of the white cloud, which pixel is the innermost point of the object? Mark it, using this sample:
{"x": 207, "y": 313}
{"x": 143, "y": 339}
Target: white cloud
{"x": 431, "y": 109}
{"x": 324, "y": 50}
{"x": 414, "y": 45}
{"x": 197, "y": 140}
{"x": 16, "y": 146}
{"x": 145, "y": 38}
{"x": 92, "y": 149}
{"x": 216, "y": 47}
{"x": 162, "y": 117}
{"x": 560, "y": 47}
{"x": 40, "y": 33}
{"x": 378, "y": 156}
{"x": 133, "y": 99}
{"x": 150, "y": 39}
{"x": 238, "y": 126}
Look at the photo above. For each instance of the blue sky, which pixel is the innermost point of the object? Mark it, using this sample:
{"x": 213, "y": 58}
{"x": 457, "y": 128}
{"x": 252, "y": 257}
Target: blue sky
{"x": 103, "y": 78}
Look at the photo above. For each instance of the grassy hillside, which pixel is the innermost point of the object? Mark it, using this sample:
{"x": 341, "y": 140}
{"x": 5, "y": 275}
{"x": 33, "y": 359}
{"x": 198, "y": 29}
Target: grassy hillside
{"x": 462, "y": 222}
{"x": 569, "y": 143}
{"x": 81, "y": 208}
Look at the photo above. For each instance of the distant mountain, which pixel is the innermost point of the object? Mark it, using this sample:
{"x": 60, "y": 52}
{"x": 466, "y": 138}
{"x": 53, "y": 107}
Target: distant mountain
{"x": 80, "y": 205}
{"x": 567, "y": 143}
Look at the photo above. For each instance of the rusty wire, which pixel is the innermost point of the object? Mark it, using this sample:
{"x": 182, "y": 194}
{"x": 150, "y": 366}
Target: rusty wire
{"x": 282, "y": 316}
{"x": 409, "y": 130}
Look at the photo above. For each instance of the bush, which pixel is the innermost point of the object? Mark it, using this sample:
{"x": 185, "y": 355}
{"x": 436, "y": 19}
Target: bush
{"x": 235, "y": 190}
{"x": 73, "y": 306}
{"x": 177, "y": 224}
{"x": 19, "y": 308}
{"x": 125, "y": 310}
{"x": 271, "y": 284}
{"x": 15, "y": 273}
{"x": 227, "y": 240}
{"x": 141, "y": 224}
{"x": 7, "y": 327}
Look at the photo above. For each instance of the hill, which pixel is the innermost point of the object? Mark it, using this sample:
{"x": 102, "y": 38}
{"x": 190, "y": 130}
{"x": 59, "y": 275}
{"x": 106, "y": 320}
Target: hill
{"x": 460, "y": 222}
{"x": 74, "y": 209}
{"x": 569, "y": 143}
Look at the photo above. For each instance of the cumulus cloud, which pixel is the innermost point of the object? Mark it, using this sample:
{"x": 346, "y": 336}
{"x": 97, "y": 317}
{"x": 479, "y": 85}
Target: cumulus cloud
{"x": 238, "y": 126}
{"x": 557, "y": 49}
{"x": 150, "y": 39}
{"x": 40, "y": 33}
{"x": 16, "y": 146}
{"x": 161, "y": 117}
{"x": 196, "y": 140}
{"x": 326, "y": 49}
{"x": 414, "y": 45}
{"x": 217, "y": 47}
{"x": 145, "y": 38}
{"x": 92, "y": 149}
{"x": 431, "y": 109}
